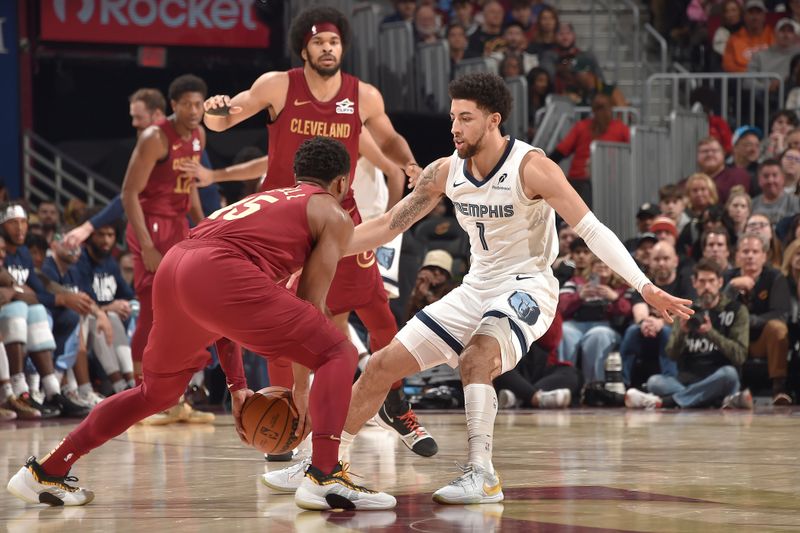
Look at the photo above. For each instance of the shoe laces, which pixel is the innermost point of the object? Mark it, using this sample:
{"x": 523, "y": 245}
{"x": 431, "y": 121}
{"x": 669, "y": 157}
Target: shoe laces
{"x": 411, "y": 422}
{"x": 345, "y": 473}
{"x": 467, "y": 472}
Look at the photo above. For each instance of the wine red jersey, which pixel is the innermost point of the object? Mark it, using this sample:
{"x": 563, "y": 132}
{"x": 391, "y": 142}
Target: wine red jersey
{"x": 167, "y": 190}
{"x": 268, "y": 228}
{"x": 303, "y": 117}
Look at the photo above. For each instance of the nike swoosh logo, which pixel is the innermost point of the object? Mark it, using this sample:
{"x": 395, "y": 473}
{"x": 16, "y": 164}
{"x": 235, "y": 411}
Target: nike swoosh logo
{"x": 298, "y": 103}
{"x": 520, "y": 278}
{"x": 492, "y": 491}
{"x": 176, "y": 146}
{"x": 458, "y": 184}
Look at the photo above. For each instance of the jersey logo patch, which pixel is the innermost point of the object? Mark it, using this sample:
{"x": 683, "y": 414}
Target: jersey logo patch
{"x": 525, "y": 306}
{"x": 345, "y": 107}
{"x": 503, "y": 177}
{"x": 196, "y": 145}
{"x": 365, "y": 259}
{"x": 385, "y": 256}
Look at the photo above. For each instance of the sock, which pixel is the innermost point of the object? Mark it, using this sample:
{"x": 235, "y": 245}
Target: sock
{"x": 668, "y": 402}
{"x": 345, "y": 441}
{"x": 51, "y": 386}
{"x": 72, "y": 383}
{"x": 6, "y": 390}
{"x": 197, "y": 379}
{"x": 325, "y": 452}
{"x": 84, "y": 389}
{"x": 396, "y": 402}
{"x": 34, "y": 381}
{"x": 60, "y": 460}
{"x": 480, "y": 402}
{"x": 119, "y": 385}
{"x": 18, "y": 384}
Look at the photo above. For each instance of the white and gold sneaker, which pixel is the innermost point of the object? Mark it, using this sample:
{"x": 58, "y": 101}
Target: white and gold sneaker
{"x": 475, "y": 485}
{"x": 320, "y": 492}
{"x": 31, "y": 484}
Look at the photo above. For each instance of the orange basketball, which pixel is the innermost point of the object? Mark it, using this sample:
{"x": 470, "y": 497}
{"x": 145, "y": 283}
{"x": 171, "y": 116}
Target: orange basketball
{"x": 270, "y": 419}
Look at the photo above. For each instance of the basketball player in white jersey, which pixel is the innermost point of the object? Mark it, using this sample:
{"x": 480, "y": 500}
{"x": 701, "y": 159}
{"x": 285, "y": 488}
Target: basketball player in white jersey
{"x": 506, "y": 193}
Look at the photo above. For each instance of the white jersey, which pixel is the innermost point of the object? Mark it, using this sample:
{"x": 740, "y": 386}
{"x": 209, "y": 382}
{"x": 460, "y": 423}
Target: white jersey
{"x": 509, "y": 234}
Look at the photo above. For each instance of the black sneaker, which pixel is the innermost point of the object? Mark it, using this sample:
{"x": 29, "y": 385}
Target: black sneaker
{"x": 279, "y": 457}
{"x": 47, "y": 409}
{"x": 68, "y": 408}
{"x": 415, "y": 437}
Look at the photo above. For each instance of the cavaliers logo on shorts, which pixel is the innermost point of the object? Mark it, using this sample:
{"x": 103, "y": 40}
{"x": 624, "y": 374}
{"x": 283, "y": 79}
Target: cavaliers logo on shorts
{"x": 525, "y": 306}
{"x": 365, "y": 259}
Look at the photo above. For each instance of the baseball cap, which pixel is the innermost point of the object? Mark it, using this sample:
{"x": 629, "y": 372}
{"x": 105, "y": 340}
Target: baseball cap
{"x": 758, "y": 4}
{"x": 440, "y": 259}
{"x": 647, "y": 236}
{"x": 787, "y": 22}
{"x": 648, "y": 210}
{"x": 664, "y": 224}
{"x": 741, "y": 131}
{"x": 582, "y": 63}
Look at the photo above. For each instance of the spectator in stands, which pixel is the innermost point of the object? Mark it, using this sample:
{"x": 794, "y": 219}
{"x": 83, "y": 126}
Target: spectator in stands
{"x": 434, "y": 280}
{"x": 792, "y": 86}
{"x": 705, "y": 98}
{"x": 759, "y": 223}
{"x": 517, "y": 44}
{"x": 540, "y": 85}
{"x": 522, "y": 13}
{"x": 601, "y": 126}
{"x": 426, "y": 25}
{"x": 713, "y": 218}
{"x": 791, "y": 8}
{"x": 790, "y": 163}
{"x": 709, "y": 348}
{"x": 711, "y": 162}
{"x": 746, "y": 153}
{"x": 403, "y": 11}
{"x": 564, "y": 48}
{"x": 672, "y": 204}
{"x": 590, "y": 84}
{"x": 647, "y": 336}
{"x": 765, "y": 291}
{"x": 701, "y": 193}
{"x": 664, "y": 229}
{"x": 783, "y": 122}
{"x": 539, "y": 380}
{"x": 546, "y": 26}
{"x": 564, "y": 266}
{"x": 126, "y": 268}
{"x": 643, "y": 251}
{"x": 464, "y": 14}
{"x": 38, "y": 247}
{"x": 457, "y": 43}
{"x": 754, "y": 37}
{"x": 791, "y": 269}
{"x": 591, "y": 308}
{"x": 739, "y": 208}
{"x": 581, "y": 258}
{"x": 732, "y": 22}
{"x": 74, "y": 212}
{"x": 489, "y": 35}
{"x": 716, "y": 246}
{"x": 644, "y": 219}
{"x": 510, "y": 66}
{"x": 774, "y": 201}
{"x": 777, "y": 60}
{"x": 49, "y": 218}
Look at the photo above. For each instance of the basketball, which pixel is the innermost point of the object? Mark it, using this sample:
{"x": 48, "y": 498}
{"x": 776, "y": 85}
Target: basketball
{"x": 270, "y": 419}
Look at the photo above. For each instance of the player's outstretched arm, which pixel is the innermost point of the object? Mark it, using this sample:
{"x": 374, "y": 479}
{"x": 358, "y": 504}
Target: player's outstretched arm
{"x": 248, "y": 170}
{"x": 544, "y": 179}
{"x": 413, "y": 207}
{"x": 265, "y": 92}
{"x": 331, "y": 229}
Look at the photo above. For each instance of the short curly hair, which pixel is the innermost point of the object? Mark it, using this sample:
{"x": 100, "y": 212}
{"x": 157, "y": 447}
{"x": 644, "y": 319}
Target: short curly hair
{"x": 321, "y": 158}
{"x": 302, "y": 24}
{"x": 188, "y": 83}
{"x": 488, "y": 91}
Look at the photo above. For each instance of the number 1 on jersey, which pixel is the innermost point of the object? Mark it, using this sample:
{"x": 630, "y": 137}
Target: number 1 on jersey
{"x": 482, "y": 234}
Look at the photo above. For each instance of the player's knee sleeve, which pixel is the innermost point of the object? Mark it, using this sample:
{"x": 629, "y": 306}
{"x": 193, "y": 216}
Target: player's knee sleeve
{"x": 14, "y": 322}
{"x": 40, "y": 335}
{"x": 511, "y": 342}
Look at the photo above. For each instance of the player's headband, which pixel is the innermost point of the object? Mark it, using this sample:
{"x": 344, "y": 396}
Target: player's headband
{"x": 319, "y": 28}
{"x": 11, "y": 212}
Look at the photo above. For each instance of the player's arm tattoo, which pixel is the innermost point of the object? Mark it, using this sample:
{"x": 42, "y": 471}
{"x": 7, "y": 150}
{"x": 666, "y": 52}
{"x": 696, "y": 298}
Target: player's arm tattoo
{"x": 406, "y": 212}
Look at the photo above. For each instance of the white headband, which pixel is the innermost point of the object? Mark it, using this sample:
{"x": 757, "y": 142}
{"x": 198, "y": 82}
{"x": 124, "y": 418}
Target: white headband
{"x": 11, "y": 212}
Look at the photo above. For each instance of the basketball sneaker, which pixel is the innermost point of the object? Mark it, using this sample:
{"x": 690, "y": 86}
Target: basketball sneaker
{"x": 67, "y": 407}
{"x": 320, "y": 492}
{"x": 636, "y": 399}
{"x": 22, "y": 409}
{"x": 6, "y": 415}
{"x": 287, "y": 479}
{"x": 406, "y": 425}
{"x": 279, "y": 457}
{"x": 31, "y": 484}
{"x": 506, "y": 399}
{"x": 740, "y": 400}
{"x": 554, "y": 399}
{"x": 47, "y": 410}
{"x": 91, "y": 398}
{"x": 475, "y": 485}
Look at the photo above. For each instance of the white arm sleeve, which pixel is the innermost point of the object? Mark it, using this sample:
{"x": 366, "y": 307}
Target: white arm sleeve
{"x": 605, "y": 245}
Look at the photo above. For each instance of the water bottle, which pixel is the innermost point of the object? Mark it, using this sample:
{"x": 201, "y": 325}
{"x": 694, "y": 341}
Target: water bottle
{"x": 614, "y": 373}
{"x": 134, "y": 315}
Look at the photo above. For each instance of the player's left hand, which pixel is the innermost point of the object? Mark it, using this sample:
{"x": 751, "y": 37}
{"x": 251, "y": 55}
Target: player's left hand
{"x": 413, "y": 171}
{"x": 666, "y": 304}
{"x": 203, "y": 177}
{"x": 237, "y": 402}
{"x": 300, "y": 399}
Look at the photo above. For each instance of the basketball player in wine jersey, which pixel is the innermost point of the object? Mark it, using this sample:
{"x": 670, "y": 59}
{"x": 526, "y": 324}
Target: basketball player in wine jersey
{"x": 506, "y": 194}
{"x": 227, "y": 279}
{"x": 318, "y": 99}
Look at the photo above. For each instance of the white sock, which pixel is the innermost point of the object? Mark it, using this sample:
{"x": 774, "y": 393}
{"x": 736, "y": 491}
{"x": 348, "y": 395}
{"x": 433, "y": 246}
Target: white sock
{"x": 4, "y": 375}
{"x": 18, "y": 384}
{"x": 51, "y": 386}
{"x": 34, "y": 382}
{"x": 84, "y": 389}
{"x": 119, "y": 385}
{"x": 345, "y": 440}
{"x": 72, "y": 383}
{"x": 480, "y": 403}
{"x": 197, "y": 379}
{"x": 6, "y": 391}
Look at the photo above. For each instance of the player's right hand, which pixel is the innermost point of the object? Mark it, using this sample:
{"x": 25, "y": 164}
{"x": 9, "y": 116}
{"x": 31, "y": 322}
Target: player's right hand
{"x": 77, "y": 236}
{"x": 300, "y": 399}
{"x": 80, "y": 302}
{"x": 218, "y": 102}
{"x": 203, "y": 177}
{"x": 151, "y": 258}
{"x": 237, "y": 402}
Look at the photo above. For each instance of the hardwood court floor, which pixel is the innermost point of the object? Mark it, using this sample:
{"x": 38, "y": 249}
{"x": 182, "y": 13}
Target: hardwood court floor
{"x": 582, "y": 470}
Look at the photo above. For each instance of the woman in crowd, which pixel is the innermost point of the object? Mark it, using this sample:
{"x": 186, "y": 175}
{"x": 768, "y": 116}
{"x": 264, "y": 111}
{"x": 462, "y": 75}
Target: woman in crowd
{"x": 739, "y": 206}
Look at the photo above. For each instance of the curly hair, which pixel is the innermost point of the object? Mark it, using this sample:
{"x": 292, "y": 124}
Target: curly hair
{"x": 188, "y": 83}
{"x": 488, "y": 91}
{"x": 302, "y": 24}
{"x": 321, "y": 158}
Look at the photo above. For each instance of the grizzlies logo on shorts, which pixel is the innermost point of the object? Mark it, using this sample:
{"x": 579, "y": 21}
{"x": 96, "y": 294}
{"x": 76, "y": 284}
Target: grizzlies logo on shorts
{"x": 385, "y": 256}
{"x": 525, "y": 306}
